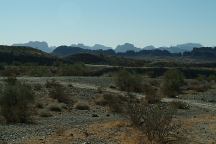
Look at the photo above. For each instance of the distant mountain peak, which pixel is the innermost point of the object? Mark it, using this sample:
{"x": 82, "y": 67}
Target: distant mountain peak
{"x": 150, "y": 47}
{"x": 38, "y": 45}
{"x": 95, "y": 47}
{"x": 126, "y": 47}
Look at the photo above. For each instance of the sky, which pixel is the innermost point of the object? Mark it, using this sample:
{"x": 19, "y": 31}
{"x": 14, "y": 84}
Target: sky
{"x": 108, "y": 22}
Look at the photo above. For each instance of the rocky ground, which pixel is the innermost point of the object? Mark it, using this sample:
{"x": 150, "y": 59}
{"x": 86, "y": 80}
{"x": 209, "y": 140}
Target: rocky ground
{"x": 98, "y": 125}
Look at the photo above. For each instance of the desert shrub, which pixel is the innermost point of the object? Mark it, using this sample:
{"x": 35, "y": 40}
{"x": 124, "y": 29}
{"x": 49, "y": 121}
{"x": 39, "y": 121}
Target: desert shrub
{"x": 16, "y": 103}
{"x": 100, "y": 100}
{"x": 77, "y": 69}
{"x": 44, "y": 113}
{"x": 201, "y": 78}
{"x": 39, "y": 105}
{"x": 10, "y": 72}
{"x": 50, "y": 83}
{"x": 151, "y": 95}
{"x": 116, "y": 103}
{"x": 129, "y": 82}
{"x": 82, "y": 106}
{"x": 112, "y": 87}
{"x": 58, "y": 92}
{"x": 199, "y": 86}
{"x": 37, "y": 87}
{"x": 172, "y": 81}
{"x": 2, "y": 66}
{"x": 180, "y": 105}
{"x": 10, "y": 80}
{"x": 55, "y": 107}
{"x": 100, "y": 89}
{"x": 2, "y": 121}
{"x": 154, "y": 120}
{"x": 212, "y": 78}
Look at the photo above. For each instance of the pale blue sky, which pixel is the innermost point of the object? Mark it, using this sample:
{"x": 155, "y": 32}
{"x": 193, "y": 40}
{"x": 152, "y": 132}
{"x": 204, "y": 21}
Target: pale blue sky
{"x": 108, "y": 22}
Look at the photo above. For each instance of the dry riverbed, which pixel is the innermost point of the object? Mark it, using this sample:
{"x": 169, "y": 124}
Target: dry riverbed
{"x": 97, "y": 125}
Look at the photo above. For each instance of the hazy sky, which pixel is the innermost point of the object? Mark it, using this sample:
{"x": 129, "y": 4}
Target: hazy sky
{"x": 109, "y": 22}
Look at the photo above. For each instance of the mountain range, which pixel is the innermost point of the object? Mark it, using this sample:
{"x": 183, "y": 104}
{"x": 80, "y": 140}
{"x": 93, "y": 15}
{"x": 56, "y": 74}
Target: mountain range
{"x": 203, "y": 53}
{"x": 95, "y": 47}
{"x": 38, "y": 45}
{"x": 25, "y": 55}
{"x": 181, "y": 48}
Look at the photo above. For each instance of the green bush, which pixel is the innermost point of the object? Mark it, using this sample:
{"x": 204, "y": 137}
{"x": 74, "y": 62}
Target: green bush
{"x": 172, "y": 81}
{"x": 129, "y": 82}
{"x": 16, "y": 103}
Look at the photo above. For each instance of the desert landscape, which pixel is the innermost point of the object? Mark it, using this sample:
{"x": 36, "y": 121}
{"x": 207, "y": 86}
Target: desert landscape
{"x": 89, "y": 109}
{"x": 107, "y": 72}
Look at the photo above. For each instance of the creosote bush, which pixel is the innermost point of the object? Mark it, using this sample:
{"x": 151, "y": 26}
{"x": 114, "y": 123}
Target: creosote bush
{"x": 151, "y": 94}
{"x": 180, "y": 105}
{"x": 172, "y": 81}
{"x": 116, "y": 103}
{"x": 58, "y": 92}
{"x": 154, "y": 120}
{"x": 129, "y": 82}
{"x": 16, "y": 102}
{"x": 82, "y": 106}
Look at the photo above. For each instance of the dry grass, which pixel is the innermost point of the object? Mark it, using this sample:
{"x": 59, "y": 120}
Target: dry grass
{"x": 111, "y": 131}
{"x": 194, "y": 131}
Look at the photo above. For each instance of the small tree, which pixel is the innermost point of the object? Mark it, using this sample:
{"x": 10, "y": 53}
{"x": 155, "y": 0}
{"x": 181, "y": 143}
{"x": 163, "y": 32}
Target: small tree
{"x": 16, "y": 102}
{"x": 172, "y": 81}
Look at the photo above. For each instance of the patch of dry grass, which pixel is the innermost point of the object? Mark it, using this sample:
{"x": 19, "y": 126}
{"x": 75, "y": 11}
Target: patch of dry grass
{"x": 119, "y": 131}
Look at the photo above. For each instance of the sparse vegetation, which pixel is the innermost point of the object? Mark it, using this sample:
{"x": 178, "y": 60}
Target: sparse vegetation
{"x": 58, "y": 92}
{"x": 151, "y": 94}
{"x": 100, "y": 100}
{"x": 116, "y": 103}
{"x": 180, "y": 105}
{"x": 199, "y": 86}
{"x": 172, "y": 81}
{"x": 154, "y": 120}
{"x": 129, "y": 82}
{"x": 82, "y": 106}
{"x": 55, "y": 107}
{"x": 45, "y": 113}
{"x": 16, "y": 102}
{"x": 77, "y": 69}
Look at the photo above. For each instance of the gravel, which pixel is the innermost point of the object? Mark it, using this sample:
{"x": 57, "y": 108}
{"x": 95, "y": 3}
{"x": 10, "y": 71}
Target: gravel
{"x": 46, "y": 126}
